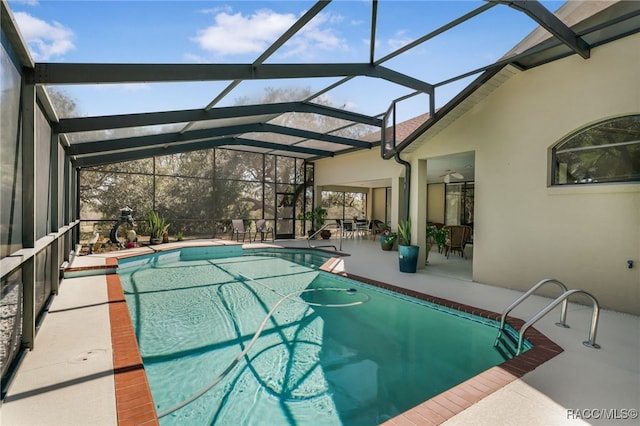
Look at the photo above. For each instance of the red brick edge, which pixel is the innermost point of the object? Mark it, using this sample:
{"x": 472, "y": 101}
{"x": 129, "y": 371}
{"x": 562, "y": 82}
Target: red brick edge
{"x": 444, "y": 406}
{"x": 134, "y": 404}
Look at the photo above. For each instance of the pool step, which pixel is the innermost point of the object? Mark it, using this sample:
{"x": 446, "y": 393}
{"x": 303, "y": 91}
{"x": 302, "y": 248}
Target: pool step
{"x": 506, "y": 345}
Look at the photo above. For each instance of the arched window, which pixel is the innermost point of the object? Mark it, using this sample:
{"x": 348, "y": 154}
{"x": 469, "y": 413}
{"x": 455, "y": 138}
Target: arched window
{"x": 605, "y": 152}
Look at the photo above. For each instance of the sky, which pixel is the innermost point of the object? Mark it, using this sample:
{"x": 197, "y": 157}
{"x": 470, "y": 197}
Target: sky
{"x": 156, "y": 31}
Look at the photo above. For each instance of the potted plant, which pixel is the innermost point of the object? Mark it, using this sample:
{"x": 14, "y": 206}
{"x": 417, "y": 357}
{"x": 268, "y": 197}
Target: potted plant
{"x": 387, "y": 239}
{"x": 321, "y": 215}
{"x": 317, "y": 218}
{"x": 434, "y": 236}
{"x": 440, "y": 237}
{"x": 407, "y": 253}
{"x": 157, "y": 227}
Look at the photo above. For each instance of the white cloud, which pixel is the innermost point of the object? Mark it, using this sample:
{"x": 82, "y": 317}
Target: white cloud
{"x": 216, "y": 10}
{"x": 317, "y": 36}
{"x": 44, "y": 40}
{"x": 192, "y": 57}
{"x": 28, "y": 2}
{"x": 399, "y": 40}
{"x": 236, "y": 34}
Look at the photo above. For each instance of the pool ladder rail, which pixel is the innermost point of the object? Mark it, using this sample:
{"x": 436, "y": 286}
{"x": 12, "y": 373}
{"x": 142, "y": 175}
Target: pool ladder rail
{"x": 325, "y": 226}
{"x": 563, "y": 298}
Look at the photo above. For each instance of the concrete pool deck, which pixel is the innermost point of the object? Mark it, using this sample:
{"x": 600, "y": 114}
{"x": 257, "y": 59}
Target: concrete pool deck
{"x": 68, "y": 378}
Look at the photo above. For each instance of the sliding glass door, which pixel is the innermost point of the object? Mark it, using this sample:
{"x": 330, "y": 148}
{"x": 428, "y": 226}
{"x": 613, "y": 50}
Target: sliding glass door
{"x": 459, "y": 203}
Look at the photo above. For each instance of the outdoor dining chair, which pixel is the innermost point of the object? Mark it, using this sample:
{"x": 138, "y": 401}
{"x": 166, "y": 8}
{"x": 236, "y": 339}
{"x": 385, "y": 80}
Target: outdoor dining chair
{"x": 238, "y": 230}
{"x": 348, "y": 228}
{"x": 263, "y": 230}
{"x": 362, "y": 228}
{"x": 377, "y": 226}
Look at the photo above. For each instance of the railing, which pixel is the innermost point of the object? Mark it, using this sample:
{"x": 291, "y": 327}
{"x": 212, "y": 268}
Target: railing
{"x": 325, "y": 226}
{"x": 563, "y": 298}
{"x": 563, "y": 314}
{"x": 30, "y": 278}
{"x": 591, "y": 343}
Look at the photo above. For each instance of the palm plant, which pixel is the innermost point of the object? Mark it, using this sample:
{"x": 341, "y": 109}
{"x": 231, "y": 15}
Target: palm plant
{"x": 157, "y": 225}
{"x": 404, "y": 231}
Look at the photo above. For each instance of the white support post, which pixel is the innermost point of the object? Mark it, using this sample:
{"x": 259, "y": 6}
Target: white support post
{"x": 418, "y": 208}
{"x": 397, "y": 197}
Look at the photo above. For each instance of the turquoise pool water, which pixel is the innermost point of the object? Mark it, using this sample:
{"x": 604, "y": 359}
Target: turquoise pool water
{"x": 356, "y": 357}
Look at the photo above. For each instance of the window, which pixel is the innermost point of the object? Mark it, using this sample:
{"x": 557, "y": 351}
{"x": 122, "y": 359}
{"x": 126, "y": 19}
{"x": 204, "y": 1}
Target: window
{"x": 606, "y": 152}
{"x": 344, "y": 205}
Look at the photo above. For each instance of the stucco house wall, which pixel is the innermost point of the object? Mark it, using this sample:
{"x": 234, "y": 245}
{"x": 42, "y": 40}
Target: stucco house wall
{"x": 525, "y": 230}
{"x": 355, "y": 167}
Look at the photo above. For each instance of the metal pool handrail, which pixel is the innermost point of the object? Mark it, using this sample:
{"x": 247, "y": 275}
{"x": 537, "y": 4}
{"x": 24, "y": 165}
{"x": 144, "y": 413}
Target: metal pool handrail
{"x": 325, "y": 226}
{"x": 591, "y": 343}
{"x": 563, "y": 313}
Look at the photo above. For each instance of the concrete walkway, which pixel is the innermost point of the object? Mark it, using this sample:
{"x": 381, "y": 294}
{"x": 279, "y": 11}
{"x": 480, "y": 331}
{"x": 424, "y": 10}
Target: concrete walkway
{"x": 68, "y": 378}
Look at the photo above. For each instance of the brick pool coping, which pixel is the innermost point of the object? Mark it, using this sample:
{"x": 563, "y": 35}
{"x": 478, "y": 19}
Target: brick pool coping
{"x": 134, "y": 404}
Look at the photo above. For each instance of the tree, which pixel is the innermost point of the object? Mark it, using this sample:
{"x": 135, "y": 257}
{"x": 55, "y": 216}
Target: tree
{"x": 64, "y": 105}
{"x": 303, "y": 120}
{"x": 198, "y": 190}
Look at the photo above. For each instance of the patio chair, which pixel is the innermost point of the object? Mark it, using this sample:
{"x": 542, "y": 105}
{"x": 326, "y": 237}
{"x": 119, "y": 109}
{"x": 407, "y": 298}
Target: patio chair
{"x": 362, "y": 228}
{"x": 348, "y": 228}
{"x": 238, "y": 229}
{"x": 263, "y": 230}
{"x": 377, "y": 226}
{"x": 457, "y": 239}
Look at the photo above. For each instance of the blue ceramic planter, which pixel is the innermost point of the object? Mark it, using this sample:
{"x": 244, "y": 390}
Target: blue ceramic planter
{"x": 408, "y": 258}
{"x": 385, "y": 243}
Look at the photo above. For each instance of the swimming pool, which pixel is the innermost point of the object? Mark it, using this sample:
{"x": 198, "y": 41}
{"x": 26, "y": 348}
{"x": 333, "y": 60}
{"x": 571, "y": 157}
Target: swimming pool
{"x": 376, "y": 356}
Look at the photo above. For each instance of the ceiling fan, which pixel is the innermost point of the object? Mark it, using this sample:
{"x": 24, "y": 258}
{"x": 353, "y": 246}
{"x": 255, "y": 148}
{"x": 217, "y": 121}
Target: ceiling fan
{"x": 450, "y": 173}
